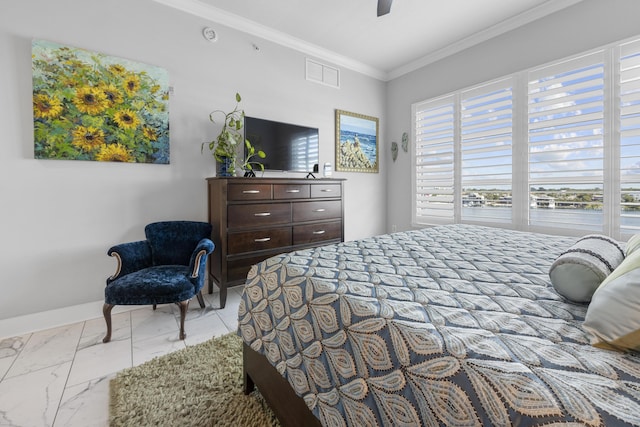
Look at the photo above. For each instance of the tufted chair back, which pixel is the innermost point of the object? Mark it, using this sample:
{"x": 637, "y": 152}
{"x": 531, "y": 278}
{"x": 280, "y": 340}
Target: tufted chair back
{"x": 172, "y": 242}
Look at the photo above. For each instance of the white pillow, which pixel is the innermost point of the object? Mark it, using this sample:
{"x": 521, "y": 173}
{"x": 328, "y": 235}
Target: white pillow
{"x": 633, "y": 243}
{"x": 577, "y": 272}
{"x": 613, "y": 317}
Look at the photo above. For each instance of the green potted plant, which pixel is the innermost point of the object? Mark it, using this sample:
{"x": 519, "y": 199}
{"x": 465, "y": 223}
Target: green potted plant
{"x": 248, "y": 165}
{"x": 225, "y": 147}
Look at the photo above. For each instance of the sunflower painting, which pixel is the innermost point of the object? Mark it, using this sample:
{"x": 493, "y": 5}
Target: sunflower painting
{"x": 90, "y": 106}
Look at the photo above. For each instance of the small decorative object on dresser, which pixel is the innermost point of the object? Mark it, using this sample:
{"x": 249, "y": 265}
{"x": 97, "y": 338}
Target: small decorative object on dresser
{"x": 255, "y": 219}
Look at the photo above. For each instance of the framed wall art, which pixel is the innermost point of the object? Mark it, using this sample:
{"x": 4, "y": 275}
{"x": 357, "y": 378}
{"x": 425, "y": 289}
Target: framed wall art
{"x": 356, "y": 142}
{"x": 91, "y": 106}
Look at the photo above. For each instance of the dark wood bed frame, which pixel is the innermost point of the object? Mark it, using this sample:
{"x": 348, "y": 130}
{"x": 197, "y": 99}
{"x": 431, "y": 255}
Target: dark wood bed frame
{"x": 290, "y": 408}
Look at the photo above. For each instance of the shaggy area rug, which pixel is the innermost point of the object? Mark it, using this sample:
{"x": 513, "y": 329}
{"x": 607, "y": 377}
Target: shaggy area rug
{"x": 198, "y": 386}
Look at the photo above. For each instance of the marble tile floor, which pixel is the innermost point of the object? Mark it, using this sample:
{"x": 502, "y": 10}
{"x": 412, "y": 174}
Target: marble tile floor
{"x": 60, "y": 377}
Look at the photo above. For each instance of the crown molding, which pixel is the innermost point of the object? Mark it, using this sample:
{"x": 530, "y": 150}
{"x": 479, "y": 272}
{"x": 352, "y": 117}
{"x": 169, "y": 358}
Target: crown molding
{"x": 200, "y": 9}
{"x": 548, "y": 8}
{"x": 211, "y": 13}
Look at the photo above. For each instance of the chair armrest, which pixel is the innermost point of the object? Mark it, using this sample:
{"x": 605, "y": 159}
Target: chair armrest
{"x": 199, "y": 257}
{"x": 132, "y": 256}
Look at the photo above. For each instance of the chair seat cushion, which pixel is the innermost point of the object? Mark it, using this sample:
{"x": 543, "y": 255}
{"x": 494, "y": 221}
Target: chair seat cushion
{"x": 153, "y": 285}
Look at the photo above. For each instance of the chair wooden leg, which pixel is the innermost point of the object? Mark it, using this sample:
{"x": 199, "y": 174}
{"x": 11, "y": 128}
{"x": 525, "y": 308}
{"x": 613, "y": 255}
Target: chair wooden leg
{"x": 184, "y": 305}
{"x": 106, "y": 311}
{"x": 200, "y": 299}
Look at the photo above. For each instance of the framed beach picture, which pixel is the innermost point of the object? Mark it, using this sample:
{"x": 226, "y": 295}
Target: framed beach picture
{"x": 356, "y": 142}
{"x": 92, "y": 106}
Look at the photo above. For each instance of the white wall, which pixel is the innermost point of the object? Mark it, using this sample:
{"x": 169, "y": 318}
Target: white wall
{"x": 584, "y": 26}
{"x": 58, "y": 218}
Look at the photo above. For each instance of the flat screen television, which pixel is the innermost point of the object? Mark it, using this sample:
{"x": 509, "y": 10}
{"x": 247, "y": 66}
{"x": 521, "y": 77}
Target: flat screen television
{"x": 289, "y": 147}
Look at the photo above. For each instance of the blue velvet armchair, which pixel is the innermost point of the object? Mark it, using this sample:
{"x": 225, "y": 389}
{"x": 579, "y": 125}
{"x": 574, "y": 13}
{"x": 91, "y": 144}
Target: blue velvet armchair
{"x": 168, "y": 267}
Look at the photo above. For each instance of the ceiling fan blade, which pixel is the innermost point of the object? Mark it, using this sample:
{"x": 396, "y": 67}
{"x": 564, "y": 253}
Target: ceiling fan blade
{"x": 384, "y": 7}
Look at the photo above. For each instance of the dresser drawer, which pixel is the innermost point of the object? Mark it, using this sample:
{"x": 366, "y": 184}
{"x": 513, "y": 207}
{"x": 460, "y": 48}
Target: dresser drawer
{"x": 310, "y": 211}
{"x": 250, "y": 191}
{"x": 325, "y": 190}
{"x": 291, "y": 191}
{"x": 303, "y": 234}
{"x": 238, "y": 268}
{"x": 258, "y": 215}
{"x": 259, "y": 240}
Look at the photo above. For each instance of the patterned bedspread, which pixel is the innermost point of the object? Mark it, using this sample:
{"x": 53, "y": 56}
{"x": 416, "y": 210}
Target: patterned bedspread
{"x": 450, "y": 326}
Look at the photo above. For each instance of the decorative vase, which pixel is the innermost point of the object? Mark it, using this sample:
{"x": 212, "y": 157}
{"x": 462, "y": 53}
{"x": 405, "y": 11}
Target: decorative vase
{"x": 227, "y": 167}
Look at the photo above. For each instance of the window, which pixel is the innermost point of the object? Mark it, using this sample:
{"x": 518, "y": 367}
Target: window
{"x": 485, "y": 152}
{"x": 551, "y": 149}
{"x": 433, "y": 180}
{"x": 630, "y": 138}
{"x": 566, "y": 144}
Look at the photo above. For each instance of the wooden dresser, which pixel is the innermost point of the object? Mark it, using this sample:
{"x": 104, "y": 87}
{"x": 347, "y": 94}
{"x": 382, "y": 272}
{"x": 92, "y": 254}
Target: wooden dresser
{"x": 256, "y": 218}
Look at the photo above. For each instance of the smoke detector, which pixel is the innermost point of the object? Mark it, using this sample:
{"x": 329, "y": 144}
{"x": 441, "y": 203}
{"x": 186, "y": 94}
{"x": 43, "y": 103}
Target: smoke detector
{"x": 210, "y": 34}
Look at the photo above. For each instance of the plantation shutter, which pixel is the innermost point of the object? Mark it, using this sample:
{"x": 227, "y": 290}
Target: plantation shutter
{"x": 553, "y": 149}
{"x": 486, "y": 152}
{"x": 433, "y": 157}
{"x": 630, "y": 138}
{"x": 566, "y": 140}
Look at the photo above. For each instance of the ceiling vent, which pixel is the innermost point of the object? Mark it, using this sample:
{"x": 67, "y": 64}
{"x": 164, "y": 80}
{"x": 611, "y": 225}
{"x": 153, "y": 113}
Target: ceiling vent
{"x": 322, "y": 73}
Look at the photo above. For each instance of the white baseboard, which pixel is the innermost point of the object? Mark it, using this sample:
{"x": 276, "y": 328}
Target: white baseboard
{"x": 28, "y": 323}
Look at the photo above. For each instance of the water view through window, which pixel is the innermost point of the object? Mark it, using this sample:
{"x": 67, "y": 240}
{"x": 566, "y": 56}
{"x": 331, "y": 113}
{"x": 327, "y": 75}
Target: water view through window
{"x": 575, "y": 208}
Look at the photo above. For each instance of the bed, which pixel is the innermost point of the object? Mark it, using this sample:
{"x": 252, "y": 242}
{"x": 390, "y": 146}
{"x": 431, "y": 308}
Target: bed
{"x": 446, "y": 326}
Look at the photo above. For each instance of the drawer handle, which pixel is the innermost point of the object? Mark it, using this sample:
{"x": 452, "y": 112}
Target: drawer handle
{"x": 250, "y": 191}
{"x": 264, "y": 239}
{"x": 262, "y": 214}
{"x": 293, "y": 191}
{"x": 326, "y": 190}
{"x": 319, "y": 232}
{"x": 319, "y": 210}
